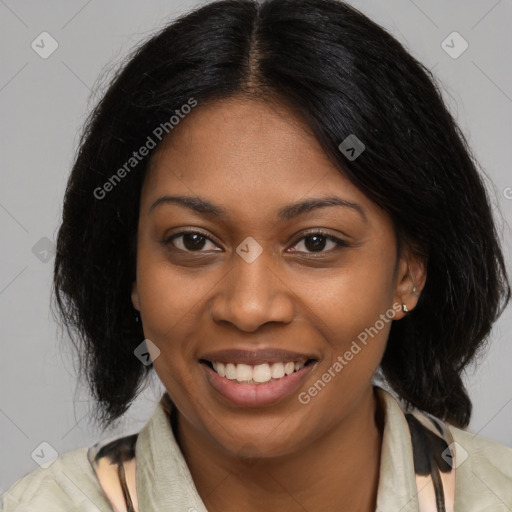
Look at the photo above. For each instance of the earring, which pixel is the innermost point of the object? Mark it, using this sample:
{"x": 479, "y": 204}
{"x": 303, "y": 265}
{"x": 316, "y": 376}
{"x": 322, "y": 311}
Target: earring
{"x": 404, "y": 307}
{"x": 137, "y": 317}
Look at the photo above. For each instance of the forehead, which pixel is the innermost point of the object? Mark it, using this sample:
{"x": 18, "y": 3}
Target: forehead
{"x": 247, "y": 155}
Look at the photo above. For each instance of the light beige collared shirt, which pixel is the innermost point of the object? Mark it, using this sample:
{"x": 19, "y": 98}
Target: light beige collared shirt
{"x": 164, "y": 483}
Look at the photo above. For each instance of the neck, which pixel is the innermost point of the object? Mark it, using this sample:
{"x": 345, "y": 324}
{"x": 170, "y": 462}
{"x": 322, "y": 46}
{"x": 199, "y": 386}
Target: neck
{"x": 339, "y": 471}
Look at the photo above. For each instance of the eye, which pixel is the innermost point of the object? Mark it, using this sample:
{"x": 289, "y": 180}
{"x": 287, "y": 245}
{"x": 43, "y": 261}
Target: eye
{"x": 316, "y": 242}
{"x": 195, "y": 241}
{"x": 189, "y": 241}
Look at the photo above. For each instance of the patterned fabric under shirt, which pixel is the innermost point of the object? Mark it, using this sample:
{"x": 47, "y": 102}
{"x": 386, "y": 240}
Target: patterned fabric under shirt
{"x": 432, "y": 444}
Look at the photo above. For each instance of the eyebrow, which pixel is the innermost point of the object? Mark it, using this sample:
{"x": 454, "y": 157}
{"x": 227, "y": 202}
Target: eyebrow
{"x": 288, "y": 212}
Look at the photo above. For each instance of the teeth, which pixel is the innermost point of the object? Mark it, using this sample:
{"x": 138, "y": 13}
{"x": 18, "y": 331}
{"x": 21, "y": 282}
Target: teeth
{"x": 257, "y": 374}
{"x": 230, "y": 371}
{"x": 243, "y": 372}
{"x": 261, "y": 373}
{"x": 289, "y": 368}
{"x": 221, "y": 369}
{"x": 277, "y": 370}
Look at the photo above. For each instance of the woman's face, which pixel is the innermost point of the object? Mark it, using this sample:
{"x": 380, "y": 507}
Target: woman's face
{"x": 251, "y": 278}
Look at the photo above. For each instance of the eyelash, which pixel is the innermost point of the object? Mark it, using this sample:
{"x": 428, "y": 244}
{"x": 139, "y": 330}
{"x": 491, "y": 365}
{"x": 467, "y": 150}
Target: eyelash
{"x": 340, "y": 243}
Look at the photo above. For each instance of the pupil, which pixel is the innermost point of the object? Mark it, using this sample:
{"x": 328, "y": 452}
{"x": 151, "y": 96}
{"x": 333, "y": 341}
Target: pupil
{"x": 318, "y": 245}
{"x": 197, "y": 243}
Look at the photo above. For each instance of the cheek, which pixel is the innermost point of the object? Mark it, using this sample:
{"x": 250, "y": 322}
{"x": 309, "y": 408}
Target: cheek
{"x": 169, "y": 297}
{"x": 352, "y": 309}
{"x": 355, "y": 322}
{"x": 353, "y": 296}
{"x": 167, "y": 309}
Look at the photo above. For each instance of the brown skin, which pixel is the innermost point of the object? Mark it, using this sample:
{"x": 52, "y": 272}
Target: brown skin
{"x": 252, "y": 159}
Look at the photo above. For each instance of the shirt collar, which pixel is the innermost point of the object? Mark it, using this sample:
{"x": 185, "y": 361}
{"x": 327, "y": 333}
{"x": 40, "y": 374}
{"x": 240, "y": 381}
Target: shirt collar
{"x": 397, "y": 479}
{"x": 159, "y": 454}
{"x": 163, "y": 479}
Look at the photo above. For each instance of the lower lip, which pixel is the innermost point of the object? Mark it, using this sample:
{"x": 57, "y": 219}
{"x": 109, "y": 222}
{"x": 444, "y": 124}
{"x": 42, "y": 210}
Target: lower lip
{"x": 256, "y": 395}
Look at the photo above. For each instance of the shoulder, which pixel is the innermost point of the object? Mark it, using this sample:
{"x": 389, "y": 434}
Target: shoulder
{"x": 478, "y": 450}
{"x": 68, "y": 483}
{"x": 483, "y": 469}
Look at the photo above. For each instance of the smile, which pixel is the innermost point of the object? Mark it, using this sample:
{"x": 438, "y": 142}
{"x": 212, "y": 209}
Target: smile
{"x": 258, "y": 385}
{"x": 257, "y": 374}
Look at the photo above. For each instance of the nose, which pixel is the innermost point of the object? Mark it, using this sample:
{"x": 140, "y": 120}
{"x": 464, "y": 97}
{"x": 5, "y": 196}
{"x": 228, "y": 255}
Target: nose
{"x": 253, "y": 294}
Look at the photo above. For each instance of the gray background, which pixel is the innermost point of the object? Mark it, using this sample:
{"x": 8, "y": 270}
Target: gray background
{"x": 43, "y": 103}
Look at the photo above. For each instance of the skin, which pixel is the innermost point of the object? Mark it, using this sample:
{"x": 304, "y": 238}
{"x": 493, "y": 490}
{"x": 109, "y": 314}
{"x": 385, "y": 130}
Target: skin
{"x": 253, "y": 158}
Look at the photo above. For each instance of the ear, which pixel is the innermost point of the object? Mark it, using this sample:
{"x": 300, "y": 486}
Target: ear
{"x": 410, "y": 281}
{"x": 135, "y": 296}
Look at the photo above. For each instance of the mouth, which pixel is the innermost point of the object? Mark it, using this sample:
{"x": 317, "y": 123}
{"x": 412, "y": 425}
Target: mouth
{"x": 259, "y": 374}
{"x": 256, "y": 385}
{"x": 250, "y": 377}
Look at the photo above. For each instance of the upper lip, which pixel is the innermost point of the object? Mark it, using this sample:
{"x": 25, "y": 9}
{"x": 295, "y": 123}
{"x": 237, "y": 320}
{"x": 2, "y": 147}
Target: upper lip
{"x": 254, "y": 357}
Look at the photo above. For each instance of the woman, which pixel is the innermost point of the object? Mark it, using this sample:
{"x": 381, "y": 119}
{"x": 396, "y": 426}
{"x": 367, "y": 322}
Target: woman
{"x": 273, "y": 206}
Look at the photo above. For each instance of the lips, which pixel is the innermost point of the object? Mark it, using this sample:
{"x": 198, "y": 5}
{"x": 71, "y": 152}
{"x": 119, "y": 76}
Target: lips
{"x": 256, "y": 378}
{"x": 255, "y": 395}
